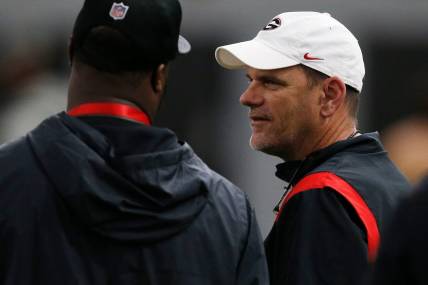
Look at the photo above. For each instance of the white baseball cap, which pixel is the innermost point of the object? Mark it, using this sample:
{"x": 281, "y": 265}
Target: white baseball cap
{"x": 314, "y": 39}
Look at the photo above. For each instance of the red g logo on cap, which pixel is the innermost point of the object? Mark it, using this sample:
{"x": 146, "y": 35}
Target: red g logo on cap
{"x": 274, "y": 24}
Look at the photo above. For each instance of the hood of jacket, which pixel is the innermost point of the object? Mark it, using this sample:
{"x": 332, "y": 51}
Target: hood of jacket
{"x": 140, "y": 197}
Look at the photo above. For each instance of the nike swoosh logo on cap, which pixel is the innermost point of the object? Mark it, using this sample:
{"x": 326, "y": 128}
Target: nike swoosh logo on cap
{"x": 307, "y": 56}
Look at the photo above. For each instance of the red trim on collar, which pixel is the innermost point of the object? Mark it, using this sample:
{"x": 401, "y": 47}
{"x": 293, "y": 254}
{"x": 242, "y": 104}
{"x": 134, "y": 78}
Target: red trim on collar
{"x": 111, "y": 109}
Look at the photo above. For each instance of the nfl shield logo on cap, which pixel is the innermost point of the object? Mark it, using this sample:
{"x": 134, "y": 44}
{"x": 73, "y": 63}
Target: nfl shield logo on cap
{"x": 118, "y": 11}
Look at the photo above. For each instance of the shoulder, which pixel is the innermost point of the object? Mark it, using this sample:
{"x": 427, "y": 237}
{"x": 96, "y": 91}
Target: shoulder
{"x": 20, "y": 176}
{"x": 372, "y": 175}
{"x": 228, "y": 211}
{"x": 220, "y": 188}
{"x": 324, "y": 192}
{"x": 23, "y": 187}
{"x": 224, "y": 197}
{"x": 233, "y": 201}
{"x": 366, "y": 163}
{"x": 312, "y": 198}
{"x": 13, "y": 145}
{"x": 14, "y": 155}
{"x": 320, "y": 208}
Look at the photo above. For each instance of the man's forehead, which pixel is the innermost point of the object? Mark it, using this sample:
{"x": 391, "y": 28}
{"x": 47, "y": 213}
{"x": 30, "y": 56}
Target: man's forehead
{"x": 253, "y": 72}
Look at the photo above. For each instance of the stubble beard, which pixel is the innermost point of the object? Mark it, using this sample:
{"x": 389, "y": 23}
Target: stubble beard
{"x": 279, "y": 148}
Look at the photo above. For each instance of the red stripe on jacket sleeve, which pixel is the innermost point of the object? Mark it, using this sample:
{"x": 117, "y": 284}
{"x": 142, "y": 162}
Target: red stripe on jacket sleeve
{"x": 320, "y": 180}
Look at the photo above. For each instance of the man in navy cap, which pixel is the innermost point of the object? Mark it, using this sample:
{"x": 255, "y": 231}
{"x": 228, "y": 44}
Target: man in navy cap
{"x": 97, "y": 195}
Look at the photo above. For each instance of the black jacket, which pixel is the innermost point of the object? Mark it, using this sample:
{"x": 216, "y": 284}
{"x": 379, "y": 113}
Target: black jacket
{"x": 404, "y": 250}
{"x": 103, "y": 200}
{"x": 319, "y": 236}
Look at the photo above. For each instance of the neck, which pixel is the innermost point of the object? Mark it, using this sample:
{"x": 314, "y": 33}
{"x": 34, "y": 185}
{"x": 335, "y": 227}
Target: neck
{"x": 88, "y": 85}
{"x": 339, "y": 132}
{"x": 333, "y": 131}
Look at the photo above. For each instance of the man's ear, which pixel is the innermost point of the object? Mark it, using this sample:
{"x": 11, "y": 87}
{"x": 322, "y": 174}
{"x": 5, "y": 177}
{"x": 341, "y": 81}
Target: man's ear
{"x": 334, "y": 96}
{"x": 159, "y": 78}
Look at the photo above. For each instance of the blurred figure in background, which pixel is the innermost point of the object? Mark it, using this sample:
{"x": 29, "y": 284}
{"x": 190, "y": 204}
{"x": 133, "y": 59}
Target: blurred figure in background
{"x": 98, "y": 196}
{"x": 305, "y": 72}
{"x": 404, "y": 249}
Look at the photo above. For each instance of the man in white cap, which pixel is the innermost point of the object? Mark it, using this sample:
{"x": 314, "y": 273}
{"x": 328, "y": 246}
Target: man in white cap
{"x": 305, "y": 72}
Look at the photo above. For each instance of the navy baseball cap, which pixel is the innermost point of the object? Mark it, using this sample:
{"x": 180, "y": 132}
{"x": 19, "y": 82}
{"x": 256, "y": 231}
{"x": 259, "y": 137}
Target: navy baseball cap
{"x": 152, "y": 25}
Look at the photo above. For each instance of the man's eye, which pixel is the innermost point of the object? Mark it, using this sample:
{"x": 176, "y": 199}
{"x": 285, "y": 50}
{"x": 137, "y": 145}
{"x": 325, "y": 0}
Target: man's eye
{"x": 271, "y": 85}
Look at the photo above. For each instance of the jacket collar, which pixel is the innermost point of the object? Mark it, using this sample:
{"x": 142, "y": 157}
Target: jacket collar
{"x": 293, "y": 171}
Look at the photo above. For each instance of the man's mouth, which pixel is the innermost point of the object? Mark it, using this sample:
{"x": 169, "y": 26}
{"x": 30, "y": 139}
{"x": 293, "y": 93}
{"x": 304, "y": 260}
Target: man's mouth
{"x": 259, "y": 118}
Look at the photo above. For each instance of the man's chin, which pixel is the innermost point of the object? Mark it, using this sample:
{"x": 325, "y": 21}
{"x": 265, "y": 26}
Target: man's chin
{"x": 260, "y": 145}
{"x": 265, "y": 147}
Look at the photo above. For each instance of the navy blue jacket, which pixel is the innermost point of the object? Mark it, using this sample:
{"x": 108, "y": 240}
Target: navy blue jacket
{"x": 322, "y": 234}
{"x": 98, "y": 200}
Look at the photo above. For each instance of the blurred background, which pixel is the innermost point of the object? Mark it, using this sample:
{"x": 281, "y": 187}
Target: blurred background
{"x": 202, "y": 101}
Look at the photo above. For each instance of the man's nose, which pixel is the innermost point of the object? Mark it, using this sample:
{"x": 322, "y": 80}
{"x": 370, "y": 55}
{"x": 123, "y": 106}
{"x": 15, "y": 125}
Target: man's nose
{"x": 251, "y": 97}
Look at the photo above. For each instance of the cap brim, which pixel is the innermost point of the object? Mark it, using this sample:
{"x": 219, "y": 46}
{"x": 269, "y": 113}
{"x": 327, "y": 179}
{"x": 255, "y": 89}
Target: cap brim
{"x": 251, "y": 54}
{"x": 183, "y": 45}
